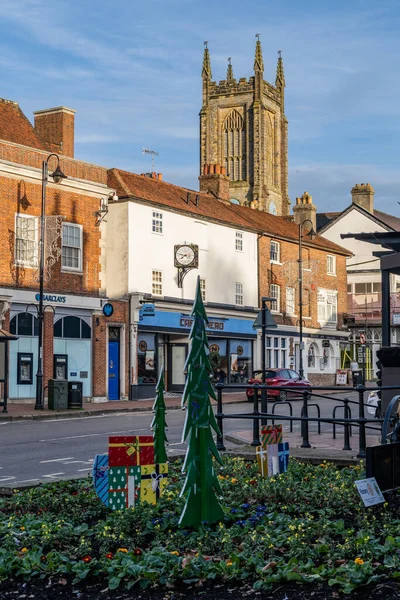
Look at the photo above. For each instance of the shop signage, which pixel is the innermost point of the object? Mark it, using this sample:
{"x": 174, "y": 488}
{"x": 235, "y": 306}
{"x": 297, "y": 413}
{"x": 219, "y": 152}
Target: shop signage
{"x": 325, "y": 343}
{"x": 148, "y": 310}
{"x": 214, "y": 325}
{"x": 396, "y": 318}
{"x": 52, "y": 298}
{"x": 108, "y": 309}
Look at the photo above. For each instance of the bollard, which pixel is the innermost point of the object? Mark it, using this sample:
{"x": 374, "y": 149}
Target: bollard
{"x": 304, "y": 424}
{"x": 362, "y": 440}
{"x": 347, "y": 415}
{"x": 220, "y": 420}
{"x": 256, "y": 421}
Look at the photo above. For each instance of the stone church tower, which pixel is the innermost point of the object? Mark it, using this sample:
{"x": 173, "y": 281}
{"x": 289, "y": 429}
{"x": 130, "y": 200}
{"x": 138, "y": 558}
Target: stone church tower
{"x": 243, "y": 133}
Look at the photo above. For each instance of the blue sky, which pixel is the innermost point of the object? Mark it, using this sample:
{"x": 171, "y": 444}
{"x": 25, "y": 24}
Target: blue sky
{"x": 132, "y": 72}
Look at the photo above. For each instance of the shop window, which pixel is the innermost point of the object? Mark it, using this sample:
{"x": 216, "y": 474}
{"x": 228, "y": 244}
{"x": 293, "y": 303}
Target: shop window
{"x": 157, "y": 222}
{"x": 240, "y": 361}
{"x": 239, "y": 294}
{"x": 156, "y": 287}
{"x": 147, "y": 360}
{"x": 26, "y": 240}
{"x": 275, "y": 251}
{"x": 72, "y": 328}
{"x": 71, "y": 251}
{"x": 239, "y": 241}
{"x": 24, "y": 324}
{"x": 25, "y": 368}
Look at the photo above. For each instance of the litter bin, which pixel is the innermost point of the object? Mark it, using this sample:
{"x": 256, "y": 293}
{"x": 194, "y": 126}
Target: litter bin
{"x": 357, "y": 377}
{"x": 75, "y": 394}
{"x": 57, "y": 394}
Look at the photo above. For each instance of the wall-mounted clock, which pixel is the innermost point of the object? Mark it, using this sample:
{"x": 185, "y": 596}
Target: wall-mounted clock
{"x": 186, "y": 258}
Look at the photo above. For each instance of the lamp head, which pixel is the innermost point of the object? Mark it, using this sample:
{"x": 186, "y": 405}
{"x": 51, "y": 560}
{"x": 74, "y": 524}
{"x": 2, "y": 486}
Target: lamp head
{"x": 312, "y": 234}
{"x": 58, "y": 175}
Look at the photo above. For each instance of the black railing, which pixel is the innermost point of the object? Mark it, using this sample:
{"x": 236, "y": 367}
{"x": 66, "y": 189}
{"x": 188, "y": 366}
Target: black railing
{"x": 257, "y": 416}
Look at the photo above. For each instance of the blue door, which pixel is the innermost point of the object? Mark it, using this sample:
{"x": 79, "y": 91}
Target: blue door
{"x": 113, "y": 370}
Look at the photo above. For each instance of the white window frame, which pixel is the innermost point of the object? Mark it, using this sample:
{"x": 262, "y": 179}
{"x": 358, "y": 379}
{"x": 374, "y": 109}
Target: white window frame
{"x": 290, "y": 301}
{"x": 276, "y": 252}
{"x": 203, "y": 288}
{"x": 327, "y": 307}
{"x": 80, "y": 260}
{"x": 157, "y": 222}
{"x": 239, "y": 241}
{"x": 331, "y": 264}
{"x": 20, "y": 262}
{"x": 156, "y": 284}
{"x": 239, "y": 295}
{"x": 275, "y": 292}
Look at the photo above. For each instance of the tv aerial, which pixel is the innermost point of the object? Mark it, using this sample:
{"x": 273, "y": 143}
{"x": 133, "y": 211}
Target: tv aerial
{"x": 153, "y": 153}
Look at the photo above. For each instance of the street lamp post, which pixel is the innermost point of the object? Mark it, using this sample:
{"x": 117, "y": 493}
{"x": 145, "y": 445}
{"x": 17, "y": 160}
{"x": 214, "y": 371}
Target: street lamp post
{"x": 311, "y": 234}
{"x": 58, "y": 176}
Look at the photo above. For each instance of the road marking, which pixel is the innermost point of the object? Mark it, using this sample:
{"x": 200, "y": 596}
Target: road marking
{"x": 87, "y": 435}
{"x": 53, "y": 474}
{"x": 27, "y": 480}
{"x": 5, "y": 478}
{"x": 56, "y": 459}
{"x": 71, "y": 462}
{"x": 124, "y": 414}
{"x": 79, "y": 470}
{"x": 177, "y": 444}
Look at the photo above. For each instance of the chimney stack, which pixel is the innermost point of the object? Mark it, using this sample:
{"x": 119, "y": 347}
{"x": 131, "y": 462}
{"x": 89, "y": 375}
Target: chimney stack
{"x": 305, "y": 209}
{"x": 56, "y": 127}
{"x": 214, "y": 180}
{"x": 362, "y": 194}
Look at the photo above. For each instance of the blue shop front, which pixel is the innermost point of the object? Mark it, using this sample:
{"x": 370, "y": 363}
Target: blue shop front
{"x": 163, "y": 339}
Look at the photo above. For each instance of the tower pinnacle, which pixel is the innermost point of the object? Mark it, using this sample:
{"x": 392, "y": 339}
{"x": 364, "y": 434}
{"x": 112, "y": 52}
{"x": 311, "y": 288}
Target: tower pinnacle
{"x": 280, "y": 76}
{"x": 206, "y": 72}
{"x": 258, "y": 60}
{"x": 229, "y": 72}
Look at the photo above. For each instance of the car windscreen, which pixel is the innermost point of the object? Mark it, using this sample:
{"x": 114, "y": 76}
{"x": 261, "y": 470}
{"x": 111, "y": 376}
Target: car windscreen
{"x": 268, "y": 375}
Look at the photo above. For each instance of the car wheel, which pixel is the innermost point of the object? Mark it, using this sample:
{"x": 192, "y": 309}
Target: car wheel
{"x": 283, "y": 396}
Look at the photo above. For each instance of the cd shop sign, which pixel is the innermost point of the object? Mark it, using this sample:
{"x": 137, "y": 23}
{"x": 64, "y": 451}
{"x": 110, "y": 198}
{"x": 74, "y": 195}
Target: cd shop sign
{"x": 52, "y": 298}
{"x": 213, "y": 325}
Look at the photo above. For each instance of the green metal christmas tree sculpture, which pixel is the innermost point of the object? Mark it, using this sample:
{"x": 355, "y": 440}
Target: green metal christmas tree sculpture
{"x": 201, "y": 485}
{"x": 159, "y": 424}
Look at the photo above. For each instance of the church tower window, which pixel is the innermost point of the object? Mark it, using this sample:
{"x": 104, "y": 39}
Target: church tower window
{"x": 234, "y": 137}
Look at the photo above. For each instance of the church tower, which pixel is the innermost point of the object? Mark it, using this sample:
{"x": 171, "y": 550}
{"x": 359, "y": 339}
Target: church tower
{"x": 243, "y": 130}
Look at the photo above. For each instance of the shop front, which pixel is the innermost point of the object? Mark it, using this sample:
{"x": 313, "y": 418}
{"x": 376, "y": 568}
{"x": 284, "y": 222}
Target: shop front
{"x": 163, "y": 341}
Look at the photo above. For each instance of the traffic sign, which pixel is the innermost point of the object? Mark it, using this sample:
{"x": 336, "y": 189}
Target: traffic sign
{"x": 363, "y": 339}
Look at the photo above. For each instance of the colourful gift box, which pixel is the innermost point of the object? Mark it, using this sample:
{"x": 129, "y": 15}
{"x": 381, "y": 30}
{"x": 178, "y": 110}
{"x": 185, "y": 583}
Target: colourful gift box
{"x": 273, "y": 460}
{"x": 261, "y": 454}
{"x": 283, "y": 452}
{"x": 154, "y": 478}
{"x": 124, "y": 487}
{"x": 130, "y": 450}
{"x": 271, "y": 434}
{"x": 100, "y": 476}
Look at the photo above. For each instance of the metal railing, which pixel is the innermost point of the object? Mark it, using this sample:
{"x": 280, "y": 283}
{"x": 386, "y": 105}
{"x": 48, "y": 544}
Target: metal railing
{"x": 257, "y": 416}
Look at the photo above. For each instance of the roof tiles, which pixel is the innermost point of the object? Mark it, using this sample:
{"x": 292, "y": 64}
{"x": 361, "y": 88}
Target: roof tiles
{"x": 16, "y": 128}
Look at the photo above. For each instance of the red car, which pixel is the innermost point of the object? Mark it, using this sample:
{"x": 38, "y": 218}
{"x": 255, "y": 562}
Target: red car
{"x": 281, "y": 378}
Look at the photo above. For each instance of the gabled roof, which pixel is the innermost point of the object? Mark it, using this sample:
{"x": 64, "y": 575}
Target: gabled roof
{"x": 325, "y": 220}
{"x": 202, "y": 205}
{"x": 16, "y": 128}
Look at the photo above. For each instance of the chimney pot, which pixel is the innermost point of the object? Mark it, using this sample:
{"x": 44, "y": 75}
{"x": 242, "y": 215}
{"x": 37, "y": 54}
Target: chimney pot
{"x": 56, "y": 127}
{"x": 217, "y": 169}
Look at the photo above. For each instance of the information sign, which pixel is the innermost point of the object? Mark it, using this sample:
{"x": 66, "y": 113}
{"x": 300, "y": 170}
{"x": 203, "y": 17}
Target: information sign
{"x": 369, "y": 491}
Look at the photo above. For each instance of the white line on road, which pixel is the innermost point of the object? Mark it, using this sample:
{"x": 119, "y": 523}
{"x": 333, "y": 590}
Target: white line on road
{"x": 71, "y": 462}
{"x": 57, "y": 459}
{"x": 79, "y": 470}
{"x": 53, "y": 474}
{"x": 176, "y": 444}
{"x": 87, "y": 435}
{"x": 27, "y": 480}
{"x": 5, "y": 478}
{"x": 124, "y": 414}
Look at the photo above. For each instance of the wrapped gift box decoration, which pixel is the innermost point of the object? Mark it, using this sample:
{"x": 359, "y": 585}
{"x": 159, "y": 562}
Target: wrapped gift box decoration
{"x": 130, "y": 450}
{"x": 261, "y": 454}
{"x": 273, "y": 460}
{"x": 153, "y": 481}
{"x": 100, "y": 477}
{"x": 271, "y": 434}
{"x": 283, "y": 452}
{"x": 123, "y": 487}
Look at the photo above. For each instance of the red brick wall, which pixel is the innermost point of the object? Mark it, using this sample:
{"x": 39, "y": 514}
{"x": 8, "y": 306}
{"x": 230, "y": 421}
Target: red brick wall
{"x": 275, "y": 274}
{"x": 57, "y": 128}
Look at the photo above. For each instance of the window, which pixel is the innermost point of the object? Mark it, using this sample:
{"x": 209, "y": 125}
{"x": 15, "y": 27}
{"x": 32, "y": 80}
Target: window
{"x": 327, "y": 307}
{"x": 239, "y": 294}
{"x": 203, "y": 289}
{"x": 26, "y": 241}
{"x": 276, "y": 356}
{"x": 275, "y": 292}
{"x": 290, "y": 301}
{"x": 312, "y": 352}
{"x": 24, "y": 324}
{"x": 157, "y": 223}
{"x": 272, "y": 208}
{"x": 275, "y": 251}
{"x": 331, "y": 264}
{"x": 71, "y": 255}
{"x": 234, "y": 146}
{"x": 72, "y": 328}
{"x": 156, "y": 287}
{"x": 239, "y": 241}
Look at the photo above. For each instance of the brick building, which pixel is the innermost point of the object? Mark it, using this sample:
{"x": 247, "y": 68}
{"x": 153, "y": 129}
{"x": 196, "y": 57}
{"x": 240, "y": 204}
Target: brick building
{"x": 77, "y": 336}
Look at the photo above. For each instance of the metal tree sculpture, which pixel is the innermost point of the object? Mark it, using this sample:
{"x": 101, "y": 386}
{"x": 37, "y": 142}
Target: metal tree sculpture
{"x": 159, "y": 423}
{"x": 201, "y": 484}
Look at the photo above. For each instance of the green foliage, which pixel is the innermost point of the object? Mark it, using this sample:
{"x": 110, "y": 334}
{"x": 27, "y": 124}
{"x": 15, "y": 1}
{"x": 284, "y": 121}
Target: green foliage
{"x": 159, "y": 423}
{"x": 307, "y": 525}
{"x": 201, "y": 484}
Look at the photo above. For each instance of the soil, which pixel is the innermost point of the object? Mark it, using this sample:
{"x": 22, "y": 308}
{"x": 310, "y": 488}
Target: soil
{"x": 62, "y": 589}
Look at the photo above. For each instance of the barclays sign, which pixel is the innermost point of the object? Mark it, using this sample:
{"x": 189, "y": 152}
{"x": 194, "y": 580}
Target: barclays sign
{"x": 52, "y": 298}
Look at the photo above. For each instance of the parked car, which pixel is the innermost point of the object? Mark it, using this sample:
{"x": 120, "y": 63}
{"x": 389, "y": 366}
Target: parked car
{"x": 281, "y": 378}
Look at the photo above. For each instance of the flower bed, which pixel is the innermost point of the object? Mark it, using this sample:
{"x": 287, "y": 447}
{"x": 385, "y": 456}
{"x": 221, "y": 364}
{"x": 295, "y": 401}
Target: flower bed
{"x": 307, "y": 525}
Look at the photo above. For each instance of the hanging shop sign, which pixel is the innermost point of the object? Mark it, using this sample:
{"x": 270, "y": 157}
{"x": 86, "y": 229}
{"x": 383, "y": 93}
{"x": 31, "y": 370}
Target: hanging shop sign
{"x": 108, "y": 309}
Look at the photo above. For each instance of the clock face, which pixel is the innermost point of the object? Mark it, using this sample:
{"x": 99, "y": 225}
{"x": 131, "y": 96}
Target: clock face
{"x": 184, "y": 255}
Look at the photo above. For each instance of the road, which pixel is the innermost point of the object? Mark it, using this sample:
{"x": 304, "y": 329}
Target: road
{"x": 34, "y": 451}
